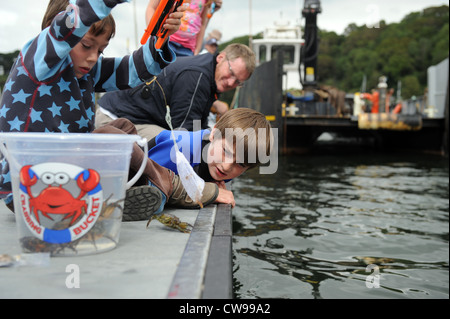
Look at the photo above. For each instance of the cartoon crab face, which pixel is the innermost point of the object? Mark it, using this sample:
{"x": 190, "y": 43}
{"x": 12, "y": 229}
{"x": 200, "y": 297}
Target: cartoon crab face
{"x": 50, "y": 197}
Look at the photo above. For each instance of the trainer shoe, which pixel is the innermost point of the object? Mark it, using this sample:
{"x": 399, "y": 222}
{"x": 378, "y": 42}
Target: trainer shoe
{"x": 141, "y": 202}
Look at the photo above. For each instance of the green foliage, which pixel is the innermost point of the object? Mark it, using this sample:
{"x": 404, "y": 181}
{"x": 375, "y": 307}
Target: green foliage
{"x": 401, "y": 51}
{"x": 411, "y": 86}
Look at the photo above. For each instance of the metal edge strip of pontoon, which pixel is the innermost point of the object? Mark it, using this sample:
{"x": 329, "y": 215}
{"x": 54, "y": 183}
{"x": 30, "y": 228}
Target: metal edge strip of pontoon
{"x": 188, "y": 280}
{"x": 218, "y": 282}
{"x": 205, "y": 269}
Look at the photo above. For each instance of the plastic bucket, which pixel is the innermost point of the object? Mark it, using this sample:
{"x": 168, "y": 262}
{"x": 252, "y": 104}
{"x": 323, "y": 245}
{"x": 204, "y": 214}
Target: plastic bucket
{"x": 69, "y": 189}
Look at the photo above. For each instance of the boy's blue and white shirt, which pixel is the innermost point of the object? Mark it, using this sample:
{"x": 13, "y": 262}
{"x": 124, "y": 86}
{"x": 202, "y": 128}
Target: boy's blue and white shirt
{"x": 42, "y": 93}
{"x": 193, "y": 145}
{"x": 189, "y": 143}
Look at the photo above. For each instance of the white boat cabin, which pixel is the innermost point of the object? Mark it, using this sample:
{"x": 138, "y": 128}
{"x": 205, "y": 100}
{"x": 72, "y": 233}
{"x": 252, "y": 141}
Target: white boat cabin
{"x": 284, "y": 37}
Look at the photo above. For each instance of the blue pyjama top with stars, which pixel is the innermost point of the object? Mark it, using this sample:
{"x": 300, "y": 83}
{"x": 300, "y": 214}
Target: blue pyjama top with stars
{"x": 42, "y": 93}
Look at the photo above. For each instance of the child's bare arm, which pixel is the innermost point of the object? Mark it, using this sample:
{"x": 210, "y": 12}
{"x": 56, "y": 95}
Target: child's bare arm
{"x": 201, "y": 33}
{"x": 151, "y": 7}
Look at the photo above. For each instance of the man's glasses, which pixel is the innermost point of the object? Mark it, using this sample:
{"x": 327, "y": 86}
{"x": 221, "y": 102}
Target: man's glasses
{"x": 234, "y": 75}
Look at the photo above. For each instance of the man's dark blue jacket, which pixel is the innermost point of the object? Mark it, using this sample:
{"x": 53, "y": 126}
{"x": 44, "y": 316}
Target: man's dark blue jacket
{"x": 189, "y": 88}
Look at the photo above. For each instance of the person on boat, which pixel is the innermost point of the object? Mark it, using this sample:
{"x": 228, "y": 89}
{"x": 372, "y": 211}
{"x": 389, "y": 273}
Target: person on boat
{"x": 374, "y": 99}
{"x": 189, "y": 86}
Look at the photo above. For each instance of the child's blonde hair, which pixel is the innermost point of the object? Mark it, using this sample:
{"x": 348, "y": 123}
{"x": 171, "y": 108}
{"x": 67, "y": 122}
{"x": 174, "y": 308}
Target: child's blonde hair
{"x": 249, "y": 131}
{"x": 56, "y": 6}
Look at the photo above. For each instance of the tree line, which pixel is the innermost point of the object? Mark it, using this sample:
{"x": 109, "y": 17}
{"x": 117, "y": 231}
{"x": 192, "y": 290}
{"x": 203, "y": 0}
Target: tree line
{"x": 401, "y": 51}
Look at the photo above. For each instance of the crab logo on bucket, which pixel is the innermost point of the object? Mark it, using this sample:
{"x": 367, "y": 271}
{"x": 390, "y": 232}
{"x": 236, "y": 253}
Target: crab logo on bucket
{"x": 55, "y": 194}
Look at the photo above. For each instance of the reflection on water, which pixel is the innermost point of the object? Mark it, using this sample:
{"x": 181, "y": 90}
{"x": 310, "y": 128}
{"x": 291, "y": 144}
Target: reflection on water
{"x": 311, "y": 230}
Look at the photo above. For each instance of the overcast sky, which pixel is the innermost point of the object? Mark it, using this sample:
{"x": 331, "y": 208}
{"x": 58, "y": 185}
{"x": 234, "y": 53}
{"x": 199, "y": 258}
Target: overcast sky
{"x": 21, "y": 20}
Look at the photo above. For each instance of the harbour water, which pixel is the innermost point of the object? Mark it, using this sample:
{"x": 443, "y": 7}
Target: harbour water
{"x": 343, "y": 225}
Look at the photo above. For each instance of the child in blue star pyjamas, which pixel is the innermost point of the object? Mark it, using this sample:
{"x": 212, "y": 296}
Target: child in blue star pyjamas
{"x": 52, "y": 84}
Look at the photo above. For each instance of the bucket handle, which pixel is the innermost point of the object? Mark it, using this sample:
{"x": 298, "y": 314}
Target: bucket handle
{"x": 141, "y": 142}
{"x": 4, "y": 151}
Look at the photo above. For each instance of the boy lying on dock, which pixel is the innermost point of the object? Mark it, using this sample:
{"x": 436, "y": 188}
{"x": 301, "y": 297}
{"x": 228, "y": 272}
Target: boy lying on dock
{"x": 232, "y": 147}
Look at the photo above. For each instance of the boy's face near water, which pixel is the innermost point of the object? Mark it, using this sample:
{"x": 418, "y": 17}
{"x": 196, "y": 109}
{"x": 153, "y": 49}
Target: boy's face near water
{"x": 222, "y": 160}
{"x": 86, "y": 52}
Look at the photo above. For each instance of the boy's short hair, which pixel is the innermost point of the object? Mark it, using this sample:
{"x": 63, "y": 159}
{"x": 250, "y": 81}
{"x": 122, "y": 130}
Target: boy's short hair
{"x": 249, "y": 132}
{"x": 54, "y": 7}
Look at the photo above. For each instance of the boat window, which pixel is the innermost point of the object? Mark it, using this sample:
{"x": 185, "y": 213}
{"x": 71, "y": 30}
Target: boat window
{"x": 289, "y": 52}
{"x": 262, "y": 54}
